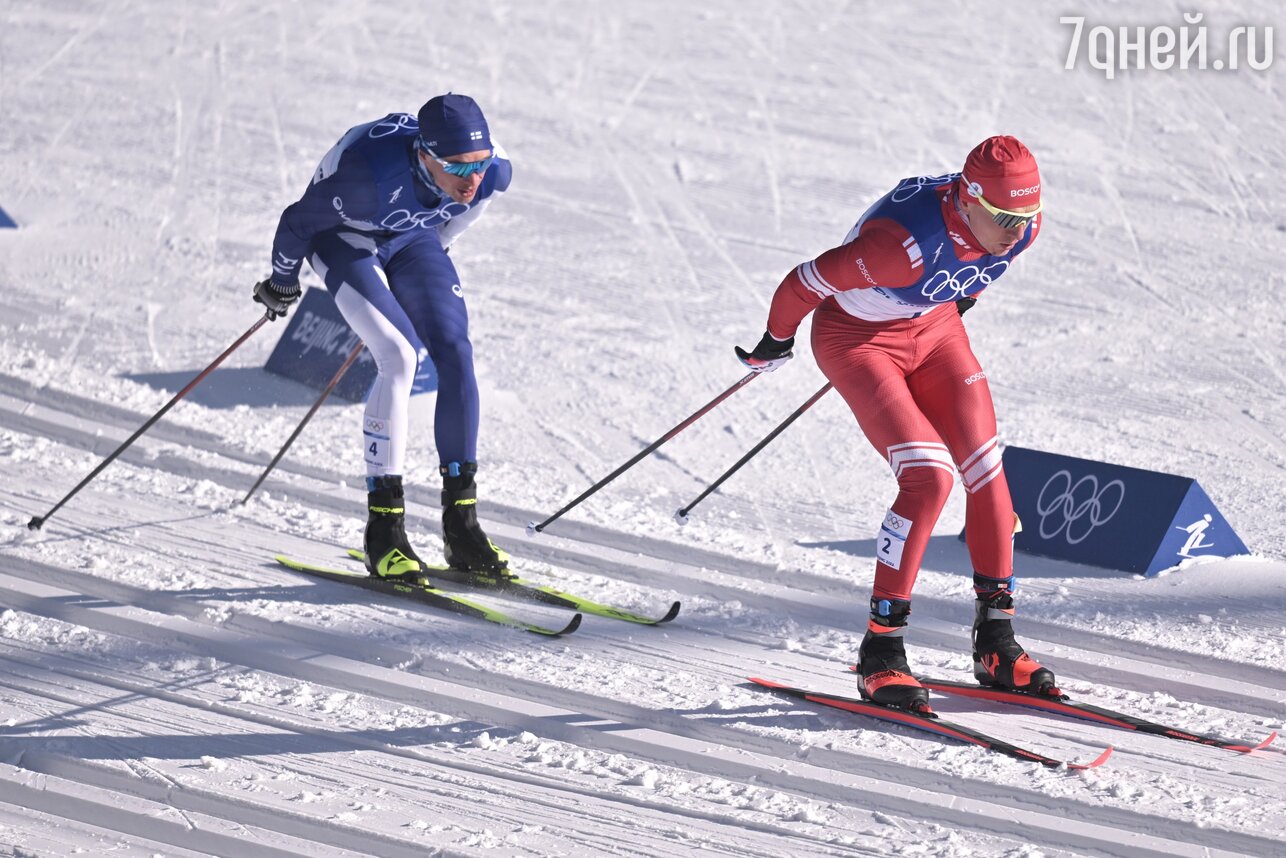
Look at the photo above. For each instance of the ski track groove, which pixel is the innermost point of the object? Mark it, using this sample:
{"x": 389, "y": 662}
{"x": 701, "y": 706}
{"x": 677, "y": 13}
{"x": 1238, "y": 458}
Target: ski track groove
{"x": 489, "y": 777}
{"x": 740, "y": 823}
{"x": 495, "y": 777}
{"x": 37, "y": 784}
{"x": 634, "y": 716}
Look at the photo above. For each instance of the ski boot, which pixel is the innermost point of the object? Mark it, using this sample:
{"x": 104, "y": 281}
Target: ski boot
{"x": 470, "y": 555}
{"x": 388, "y": 553}
{"x": 885, "y": 675}
{"x": 998, "y": 659}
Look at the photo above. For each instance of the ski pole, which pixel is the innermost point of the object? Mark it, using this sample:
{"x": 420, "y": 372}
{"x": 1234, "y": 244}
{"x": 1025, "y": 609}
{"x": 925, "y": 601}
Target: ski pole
{"x": 681, "y": 516}
{"x": 38, "y": 521}
{"x": 352, "y": 358}
{"x": 533, "y": 528}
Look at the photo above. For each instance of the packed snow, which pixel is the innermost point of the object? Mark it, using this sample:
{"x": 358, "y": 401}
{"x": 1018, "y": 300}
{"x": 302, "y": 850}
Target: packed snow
{"x": 167, "y": 689}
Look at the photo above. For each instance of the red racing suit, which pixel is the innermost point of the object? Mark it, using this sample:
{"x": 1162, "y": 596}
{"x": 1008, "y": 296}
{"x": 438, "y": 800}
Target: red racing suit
{"x": 888, "y": 336}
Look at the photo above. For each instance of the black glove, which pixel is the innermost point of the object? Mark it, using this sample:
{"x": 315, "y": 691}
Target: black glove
{"x": 768, "y": 355}
{"x": 275, "y": 297}
{"x": 963, "y": 305}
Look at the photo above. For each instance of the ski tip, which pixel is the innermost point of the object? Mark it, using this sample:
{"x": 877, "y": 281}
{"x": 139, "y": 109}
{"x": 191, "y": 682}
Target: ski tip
{"x": 356, "y": 554}
{"x": 765, "y": 683}
{"x": 670, "y": 614}
{"x": 1268, "y": 740}
{"x": 1095, "y": 763}
{"x": 573, "y": 625}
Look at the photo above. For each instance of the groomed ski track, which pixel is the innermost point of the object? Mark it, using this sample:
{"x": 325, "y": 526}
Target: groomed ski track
{"x": 177, "y": 688}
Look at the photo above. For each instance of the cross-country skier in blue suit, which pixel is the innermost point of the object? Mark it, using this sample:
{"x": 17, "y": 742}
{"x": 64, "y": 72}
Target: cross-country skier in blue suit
{"x": 375, "y": 224}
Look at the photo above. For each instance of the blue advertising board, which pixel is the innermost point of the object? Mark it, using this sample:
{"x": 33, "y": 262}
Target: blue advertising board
{"x": 1112, "y": 516}
{"x": 315, "y": 344}
{"x": 7, "y": 222}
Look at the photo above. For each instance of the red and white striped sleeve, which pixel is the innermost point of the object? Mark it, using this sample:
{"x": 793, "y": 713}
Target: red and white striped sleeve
{"x": 883, "y": 254}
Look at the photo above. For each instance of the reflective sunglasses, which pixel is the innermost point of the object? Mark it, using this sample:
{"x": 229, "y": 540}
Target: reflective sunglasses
{"x": 1006, "y": 219}
{"x": 463, "y": 169}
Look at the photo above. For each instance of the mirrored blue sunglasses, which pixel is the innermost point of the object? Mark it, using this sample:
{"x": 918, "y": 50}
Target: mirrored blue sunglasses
{"x": 463, "y": 169}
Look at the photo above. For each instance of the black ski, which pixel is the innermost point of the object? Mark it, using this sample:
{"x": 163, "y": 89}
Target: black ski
{"x": 926, "y": 721}
{"x": 1062, "y": 705}
{"x": 538, "y": 593}
{"x": 430, "y": 596}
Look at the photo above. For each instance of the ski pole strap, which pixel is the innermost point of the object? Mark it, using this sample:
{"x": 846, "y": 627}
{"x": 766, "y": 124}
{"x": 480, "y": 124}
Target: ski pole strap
{"x": 683, "y": 513}
{"x": 705, "y": 409}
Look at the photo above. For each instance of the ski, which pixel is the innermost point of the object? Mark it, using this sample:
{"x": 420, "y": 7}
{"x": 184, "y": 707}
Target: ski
{"x": 545, "y": 595}
{"x": 430, "y": 596}
{"x": 928, "y": 721}
{"x": 1063, "y": 705}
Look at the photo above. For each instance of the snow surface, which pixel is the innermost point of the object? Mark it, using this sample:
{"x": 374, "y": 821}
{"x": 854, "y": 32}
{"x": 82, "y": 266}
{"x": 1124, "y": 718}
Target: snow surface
{"x": 167, "y": 690}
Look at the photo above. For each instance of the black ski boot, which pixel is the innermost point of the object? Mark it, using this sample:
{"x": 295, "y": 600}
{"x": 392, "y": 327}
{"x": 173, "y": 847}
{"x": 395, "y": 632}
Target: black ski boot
{"x": 388, "y": 552}
{"x": 469, "y": 553}
{"x": 998, "y": 659}
{"x": 885, "y": 675}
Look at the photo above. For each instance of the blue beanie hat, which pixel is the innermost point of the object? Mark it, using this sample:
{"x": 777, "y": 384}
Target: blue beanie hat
{"x": 451, "y": 124}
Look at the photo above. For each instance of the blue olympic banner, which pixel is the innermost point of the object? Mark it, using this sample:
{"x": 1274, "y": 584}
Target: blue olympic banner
{"x": 1112, "y": 516}
{"x": 7, "y": 222}
{"x": 315, "y": 344}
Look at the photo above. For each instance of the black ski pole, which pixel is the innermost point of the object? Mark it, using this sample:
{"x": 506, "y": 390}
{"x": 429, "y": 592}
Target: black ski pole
{"x": 38, "y": 521}
{"x": 533, "y": 528}
{"x": 681, "y": 516}
{"x": 352, "y": 358}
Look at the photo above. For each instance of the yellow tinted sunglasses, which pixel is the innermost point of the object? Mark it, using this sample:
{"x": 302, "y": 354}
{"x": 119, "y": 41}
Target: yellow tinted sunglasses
{"x": 1006, "y": 219}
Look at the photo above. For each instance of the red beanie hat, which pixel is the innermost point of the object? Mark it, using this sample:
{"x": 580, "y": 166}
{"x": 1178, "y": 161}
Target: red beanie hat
{"x": 1003, "y": 171}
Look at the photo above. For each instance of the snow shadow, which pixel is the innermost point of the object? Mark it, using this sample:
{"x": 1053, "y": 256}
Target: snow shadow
{"x": 949, "y": 552}
{"x": 228, "y": 746}
{"x": 79, "y": 534}
{"x": 230, "y": 387}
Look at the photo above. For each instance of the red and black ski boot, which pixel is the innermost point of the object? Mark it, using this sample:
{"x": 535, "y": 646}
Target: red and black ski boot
{"x": 885, "y": 675}
{"x": 998, "y": 659}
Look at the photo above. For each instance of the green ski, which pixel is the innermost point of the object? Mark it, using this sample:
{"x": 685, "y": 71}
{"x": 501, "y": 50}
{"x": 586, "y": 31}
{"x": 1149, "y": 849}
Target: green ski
{"x": 538, "y": 593}
{"x": 427, "y": 595}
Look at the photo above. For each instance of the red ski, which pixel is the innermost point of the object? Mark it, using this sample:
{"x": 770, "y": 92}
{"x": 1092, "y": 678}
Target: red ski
{"x": 926, "y": 720}
{"x": 1062, "y": 705}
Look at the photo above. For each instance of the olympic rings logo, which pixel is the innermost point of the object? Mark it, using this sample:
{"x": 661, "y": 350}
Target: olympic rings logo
{"x": 403, "y": 220}
{"x": 911, "y": 187}
{"x": 1077, "y": 508}
{"x": 958, "y": 284}
{"x": 390, "y": 125}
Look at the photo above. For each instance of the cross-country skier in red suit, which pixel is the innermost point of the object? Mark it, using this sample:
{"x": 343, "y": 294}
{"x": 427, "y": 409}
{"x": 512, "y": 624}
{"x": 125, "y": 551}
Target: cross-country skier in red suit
{"x": 888, "y": 334}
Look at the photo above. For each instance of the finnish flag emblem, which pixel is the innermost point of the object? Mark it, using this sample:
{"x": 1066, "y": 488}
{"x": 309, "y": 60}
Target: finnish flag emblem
{"x": 475, "y": 135}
